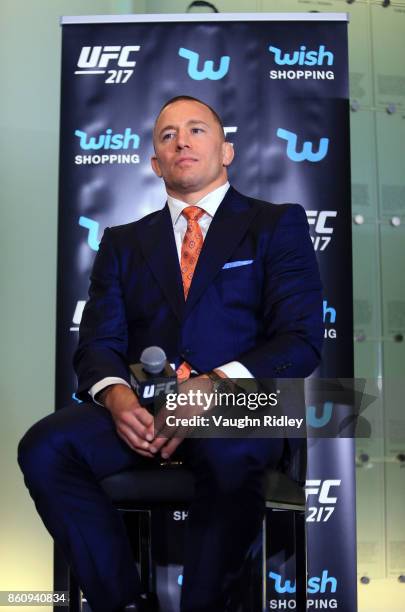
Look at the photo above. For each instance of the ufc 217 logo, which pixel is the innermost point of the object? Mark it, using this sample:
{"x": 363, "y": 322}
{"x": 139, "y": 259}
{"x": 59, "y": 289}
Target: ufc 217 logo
{"x": 321, "y": 496}
{"x": 322, "y": 227}
{"x": 96, "y": 60}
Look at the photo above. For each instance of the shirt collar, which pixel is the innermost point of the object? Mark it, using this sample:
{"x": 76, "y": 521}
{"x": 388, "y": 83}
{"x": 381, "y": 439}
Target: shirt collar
{"x": 210, "y": 203}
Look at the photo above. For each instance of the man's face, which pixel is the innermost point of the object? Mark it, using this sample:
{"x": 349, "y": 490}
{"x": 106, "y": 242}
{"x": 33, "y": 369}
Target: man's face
{"x": 191, "y": 154}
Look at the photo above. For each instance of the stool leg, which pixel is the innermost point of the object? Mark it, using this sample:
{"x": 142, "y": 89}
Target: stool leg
{"x": 75, "y": 596}
{"x": 300, "y": 561}
{"x": 264, "y": 562}
{"x": 145, "y": 552}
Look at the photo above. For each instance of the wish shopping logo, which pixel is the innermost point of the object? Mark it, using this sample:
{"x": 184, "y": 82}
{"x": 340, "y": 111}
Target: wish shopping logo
{"x": 108, "y": 140}
{"x": 316, "y": 584}
{"x": 319, "y": 417}
{"x": 307, "y": 152}
{"x": 92, "y": 231}
{"x": 207, "y": 71}
{"x": 302, "y": 64}
{"x": 122, "y": 144}
{"x": 302, "y": 56}
{"x": 329, "y": 321}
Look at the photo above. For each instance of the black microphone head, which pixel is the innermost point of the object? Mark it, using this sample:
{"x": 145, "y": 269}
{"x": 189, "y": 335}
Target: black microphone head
{"x": 153, "y": 359}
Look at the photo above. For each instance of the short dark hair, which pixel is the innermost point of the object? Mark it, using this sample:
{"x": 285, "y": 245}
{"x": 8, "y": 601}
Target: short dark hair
{"x": 192, "y": 99}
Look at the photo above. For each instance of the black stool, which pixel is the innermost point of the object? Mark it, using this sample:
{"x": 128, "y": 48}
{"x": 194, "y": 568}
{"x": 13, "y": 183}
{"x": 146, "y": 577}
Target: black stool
{"x": 172, "y": 485}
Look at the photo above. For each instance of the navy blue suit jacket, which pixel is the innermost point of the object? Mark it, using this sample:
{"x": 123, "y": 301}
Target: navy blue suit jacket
{"x": 266, "y": 314}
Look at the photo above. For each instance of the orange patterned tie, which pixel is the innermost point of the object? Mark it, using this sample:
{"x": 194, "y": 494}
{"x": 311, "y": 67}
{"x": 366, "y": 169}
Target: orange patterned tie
{"x": 190, "y": 251}
{"x": 192, "y": 245}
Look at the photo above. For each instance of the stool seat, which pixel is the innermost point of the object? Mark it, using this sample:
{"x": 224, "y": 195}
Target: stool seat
{"x": 170, "y": 484}
{"x": 281, "y": 490}
{"x": 164, "y": 485}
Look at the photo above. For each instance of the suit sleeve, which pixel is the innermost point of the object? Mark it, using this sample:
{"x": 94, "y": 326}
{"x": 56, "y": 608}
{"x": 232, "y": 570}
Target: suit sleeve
{"x": 103, "y": 336}
{"x": 292, "y": 333}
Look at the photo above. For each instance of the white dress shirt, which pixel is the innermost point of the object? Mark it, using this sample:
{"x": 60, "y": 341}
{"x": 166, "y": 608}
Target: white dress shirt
{"x": 209, "y": 204}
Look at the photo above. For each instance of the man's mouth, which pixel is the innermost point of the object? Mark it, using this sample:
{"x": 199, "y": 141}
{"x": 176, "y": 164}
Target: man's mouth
{"x": 185, "y": 160}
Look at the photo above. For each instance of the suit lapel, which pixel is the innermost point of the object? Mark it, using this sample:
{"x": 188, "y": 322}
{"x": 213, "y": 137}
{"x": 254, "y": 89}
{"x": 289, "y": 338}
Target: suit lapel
{"x": 230, "y": 223}
{"x": 156, "y": 239}
{"x": 157, "y": 242}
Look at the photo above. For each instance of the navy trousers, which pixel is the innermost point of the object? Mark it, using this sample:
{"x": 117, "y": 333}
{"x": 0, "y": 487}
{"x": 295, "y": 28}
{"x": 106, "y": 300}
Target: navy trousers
{"x": 65, "y": 455}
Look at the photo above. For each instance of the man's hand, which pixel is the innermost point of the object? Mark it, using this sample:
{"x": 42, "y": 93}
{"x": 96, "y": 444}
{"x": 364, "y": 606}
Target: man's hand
{"x": 168, "y": 438}
{"x": 137, "y": 427}
{"x": 134, "y": 424}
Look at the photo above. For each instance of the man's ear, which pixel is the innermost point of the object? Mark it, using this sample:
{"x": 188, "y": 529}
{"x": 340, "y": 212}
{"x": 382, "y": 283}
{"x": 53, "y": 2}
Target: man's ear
{"x": 228, "y": 153}
{"x": 155, "y": 166}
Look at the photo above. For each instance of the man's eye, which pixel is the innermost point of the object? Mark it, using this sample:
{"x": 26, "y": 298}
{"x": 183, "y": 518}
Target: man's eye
{"x": 168, "y": 136}
{"x": 196, "y": 130}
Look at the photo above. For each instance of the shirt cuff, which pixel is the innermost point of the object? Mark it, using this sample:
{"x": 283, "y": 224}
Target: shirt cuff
{"x": 102, "y": 384}
{"x": 234, "y": 369}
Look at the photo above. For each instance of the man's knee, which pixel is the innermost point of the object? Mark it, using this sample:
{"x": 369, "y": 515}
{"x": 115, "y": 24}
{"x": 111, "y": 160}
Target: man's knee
{"x": 231, "y": 474}
{"x": 76, "y": 440}
{"x": 232, "y": 466}
{"x": 37, "y": 454}
{"x": 48, "y": 448}
{"x": 235, "y": 477}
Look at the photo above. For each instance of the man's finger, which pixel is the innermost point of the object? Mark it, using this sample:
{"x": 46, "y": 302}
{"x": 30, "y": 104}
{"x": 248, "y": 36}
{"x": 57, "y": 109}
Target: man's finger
{"x": 131, "y": 420}
{"x": 133, "y": 440}
{"x": 143, "y": 416}
{"x": 164, "y": 434}
{"x": 170, "y": 447}
{"x": 146, "y": 454}
{"x": 170, "y": 439}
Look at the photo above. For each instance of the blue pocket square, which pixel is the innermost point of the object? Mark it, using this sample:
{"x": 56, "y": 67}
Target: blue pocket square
{"x": 237, "y": 264}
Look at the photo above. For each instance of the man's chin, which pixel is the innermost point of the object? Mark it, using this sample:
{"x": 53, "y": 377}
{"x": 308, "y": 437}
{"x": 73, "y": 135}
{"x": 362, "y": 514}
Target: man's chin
{"x": 186, "y": 186}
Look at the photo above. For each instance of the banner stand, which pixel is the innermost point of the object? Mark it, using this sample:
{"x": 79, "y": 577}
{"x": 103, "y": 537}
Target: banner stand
{"x": 280, "y": 83}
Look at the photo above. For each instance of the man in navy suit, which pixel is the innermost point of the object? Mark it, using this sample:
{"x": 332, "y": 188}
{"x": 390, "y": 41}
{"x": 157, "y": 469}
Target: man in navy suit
{"x": 249, "y": 308}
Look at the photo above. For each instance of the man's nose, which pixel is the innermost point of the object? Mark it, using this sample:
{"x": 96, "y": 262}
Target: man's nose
{"x": 183, "y": 139}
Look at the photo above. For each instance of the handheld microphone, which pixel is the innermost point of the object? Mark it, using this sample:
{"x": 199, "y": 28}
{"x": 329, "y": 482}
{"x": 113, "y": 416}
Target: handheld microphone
{"x": 153, "y": 376}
